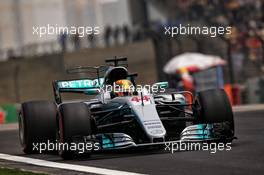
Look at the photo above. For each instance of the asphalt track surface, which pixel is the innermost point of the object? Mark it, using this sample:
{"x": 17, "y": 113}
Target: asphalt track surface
{"x": 245, "y": 157}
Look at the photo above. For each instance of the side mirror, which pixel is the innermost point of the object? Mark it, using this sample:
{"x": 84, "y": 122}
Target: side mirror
{"x": 160, "y": 86}
{"x": 163, "y": 84}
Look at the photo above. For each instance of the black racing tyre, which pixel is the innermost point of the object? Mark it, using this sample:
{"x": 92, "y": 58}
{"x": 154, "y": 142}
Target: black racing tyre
{"x": 213, "y": 106}
{"x": 37, "y": 124}
{"x": 74, "y": 120}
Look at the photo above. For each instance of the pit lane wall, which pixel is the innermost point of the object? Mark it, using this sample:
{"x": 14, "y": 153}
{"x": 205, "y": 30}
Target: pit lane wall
{"x": 30, "y": 78}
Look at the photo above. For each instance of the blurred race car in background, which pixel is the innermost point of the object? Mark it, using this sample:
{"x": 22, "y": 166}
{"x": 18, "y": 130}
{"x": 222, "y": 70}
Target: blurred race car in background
{"x": 120, "y": 120}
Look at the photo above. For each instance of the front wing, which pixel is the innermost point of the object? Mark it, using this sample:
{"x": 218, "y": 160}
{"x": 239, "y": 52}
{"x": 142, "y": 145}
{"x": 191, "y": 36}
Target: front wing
{"x": 193, "y": 133}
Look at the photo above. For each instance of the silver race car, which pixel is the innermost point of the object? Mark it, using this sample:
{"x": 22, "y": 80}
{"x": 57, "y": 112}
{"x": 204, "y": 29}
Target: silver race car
{"x": 120, "y": 119}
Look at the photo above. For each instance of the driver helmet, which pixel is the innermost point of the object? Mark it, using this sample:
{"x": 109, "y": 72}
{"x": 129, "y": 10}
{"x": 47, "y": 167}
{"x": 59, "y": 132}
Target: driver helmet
{"x": 123, "y": 88}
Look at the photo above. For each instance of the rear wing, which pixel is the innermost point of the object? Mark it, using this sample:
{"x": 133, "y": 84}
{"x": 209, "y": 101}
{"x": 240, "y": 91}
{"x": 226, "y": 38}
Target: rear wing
{"x": 85, "y": 86}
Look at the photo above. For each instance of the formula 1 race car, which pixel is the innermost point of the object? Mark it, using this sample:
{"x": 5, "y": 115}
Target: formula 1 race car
{"x": 123, "y": 119}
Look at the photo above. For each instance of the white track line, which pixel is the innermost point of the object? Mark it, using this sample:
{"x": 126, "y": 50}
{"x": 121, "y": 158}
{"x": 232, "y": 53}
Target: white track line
{"x": 65, "y": 166}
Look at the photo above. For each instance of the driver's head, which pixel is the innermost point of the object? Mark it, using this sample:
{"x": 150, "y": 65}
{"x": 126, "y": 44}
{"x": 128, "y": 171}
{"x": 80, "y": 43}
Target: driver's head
{"x": 124, "y": 87}
{"x": 124, "y": 84}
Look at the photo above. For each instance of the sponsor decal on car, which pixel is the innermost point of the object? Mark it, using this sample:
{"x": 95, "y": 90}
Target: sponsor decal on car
{"x": 80, "y": 84}
{"x": 136, "y": 100}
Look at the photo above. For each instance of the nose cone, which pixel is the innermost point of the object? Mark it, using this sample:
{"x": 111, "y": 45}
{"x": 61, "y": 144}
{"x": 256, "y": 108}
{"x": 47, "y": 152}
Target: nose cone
{"x": 149, "y": 119}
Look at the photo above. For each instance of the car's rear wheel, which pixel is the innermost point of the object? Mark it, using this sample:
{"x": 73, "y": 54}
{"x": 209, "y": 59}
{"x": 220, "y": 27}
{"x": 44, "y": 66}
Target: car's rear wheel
{"x": 74, "y": 120}
{"x": 37, "y": 124}
{"x": 214, "y": 107}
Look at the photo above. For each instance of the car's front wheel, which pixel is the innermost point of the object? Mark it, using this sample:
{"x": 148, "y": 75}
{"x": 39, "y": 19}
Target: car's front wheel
{"x": 213, "y": 106}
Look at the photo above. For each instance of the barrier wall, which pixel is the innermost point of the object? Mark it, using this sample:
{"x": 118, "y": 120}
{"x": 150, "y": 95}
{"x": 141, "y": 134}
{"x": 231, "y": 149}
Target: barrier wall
{"x": 8, "y": 113}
